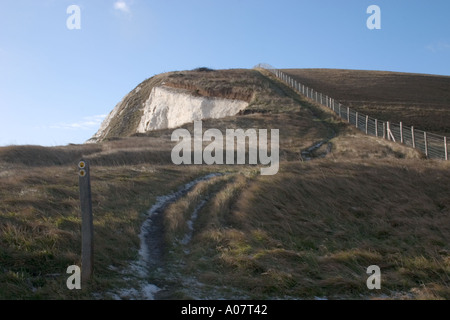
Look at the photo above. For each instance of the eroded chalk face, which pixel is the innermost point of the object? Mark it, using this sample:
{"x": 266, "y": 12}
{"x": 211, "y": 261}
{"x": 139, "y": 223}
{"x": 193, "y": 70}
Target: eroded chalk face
{"x": 168, "y": 108}
{"x": 231, "y": 149}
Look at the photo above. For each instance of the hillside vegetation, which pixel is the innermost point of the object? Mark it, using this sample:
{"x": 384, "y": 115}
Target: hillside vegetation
{"x": 419, "y": 100}
{"x": 248, "y": 85}
{"x": 310, "y": 231}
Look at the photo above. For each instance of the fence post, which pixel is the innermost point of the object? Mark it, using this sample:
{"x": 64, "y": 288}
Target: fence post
{"x": 376, "y": 128}
{"x": 356, "y": 119}
{"x": 389, "y": 132}
{"x": 87, "y": 229}
{"x": 413, "y": 140}
{"x": 339, "y": 109}
{"x": 348, "y": 114}
{"x": 384, "y": 130}
{"x": 445, "y": 148}
{"x": 426, "y": 143}
{"x": 367, "y": 124}
{"x": 401, "y": 132}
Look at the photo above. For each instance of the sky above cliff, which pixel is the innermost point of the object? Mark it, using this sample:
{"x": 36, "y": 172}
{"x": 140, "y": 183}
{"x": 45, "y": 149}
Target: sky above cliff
{"x": 62, "y": 71}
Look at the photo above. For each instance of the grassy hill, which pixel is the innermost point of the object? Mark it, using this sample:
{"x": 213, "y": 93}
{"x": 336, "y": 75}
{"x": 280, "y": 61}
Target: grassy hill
{"x": 309, "y": 231}
{"x": 419, "y": 100}
{"x": 248, "y": 85}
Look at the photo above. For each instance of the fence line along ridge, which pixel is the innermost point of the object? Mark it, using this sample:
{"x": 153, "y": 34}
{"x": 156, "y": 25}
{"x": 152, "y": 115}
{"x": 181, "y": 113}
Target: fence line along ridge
{"x": 432, "y": 145}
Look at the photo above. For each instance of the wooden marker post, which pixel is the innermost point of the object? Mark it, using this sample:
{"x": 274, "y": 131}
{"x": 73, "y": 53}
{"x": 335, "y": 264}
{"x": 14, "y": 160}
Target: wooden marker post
{"x": 87, "y": 228}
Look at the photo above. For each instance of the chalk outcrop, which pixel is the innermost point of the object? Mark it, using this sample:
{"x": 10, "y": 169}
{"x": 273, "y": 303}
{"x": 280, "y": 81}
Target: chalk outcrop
{"x": 168, "y": 108}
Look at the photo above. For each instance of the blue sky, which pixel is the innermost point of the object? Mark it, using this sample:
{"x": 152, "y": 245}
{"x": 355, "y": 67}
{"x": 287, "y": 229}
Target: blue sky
{"x": 56, "y": 84}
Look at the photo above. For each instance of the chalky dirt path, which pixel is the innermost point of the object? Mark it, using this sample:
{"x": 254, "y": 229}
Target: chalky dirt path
{"x": 152, "y": 246}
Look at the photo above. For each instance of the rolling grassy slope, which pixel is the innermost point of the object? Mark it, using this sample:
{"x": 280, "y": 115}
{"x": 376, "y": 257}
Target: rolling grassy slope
{"x": 309, "y": 231}
{"x": 419, "y": 100}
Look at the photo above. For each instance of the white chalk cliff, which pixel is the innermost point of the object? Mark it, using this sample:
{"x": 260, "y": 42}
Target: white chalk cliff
{"x": 168, "y": 108}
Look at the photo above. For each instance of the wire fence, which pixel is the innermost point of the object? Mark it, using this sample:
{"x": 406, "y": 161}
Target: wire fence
{"x": 432, "y": 145}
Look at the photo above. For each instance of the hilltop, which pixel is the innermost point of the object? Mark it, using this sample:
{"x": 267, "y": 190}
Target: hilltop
{"x": 418, "y": 100}
{"x": 200, "y": 86}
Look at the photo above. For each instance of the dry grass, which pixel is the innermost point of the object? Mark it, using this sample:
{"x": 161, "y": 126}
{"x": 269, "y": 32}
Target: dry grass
{"x": 419, "y": 100}
{"x": 40, "y": 224}
{"x": 311, "y": 230}
{"x": 351, "y": 143}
